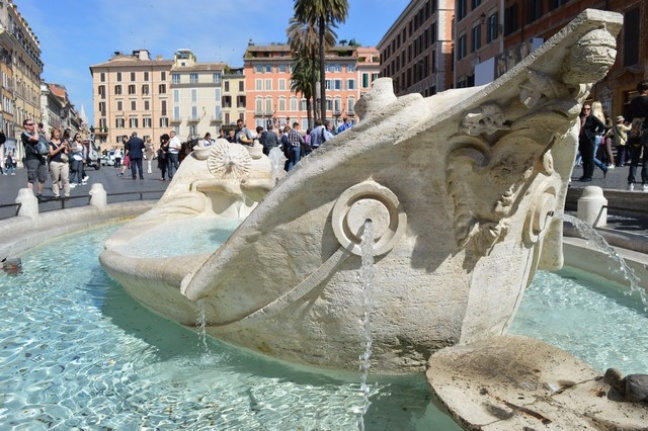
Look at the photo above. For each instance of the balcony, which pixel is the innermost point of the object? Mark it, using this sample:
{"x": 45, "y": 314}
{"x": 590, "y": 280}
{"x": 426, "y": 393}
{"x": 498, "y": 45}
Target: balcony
{"x": 176, "y": 120}
{"x": 192, "y": 119}
{"x": 216, "y": 120}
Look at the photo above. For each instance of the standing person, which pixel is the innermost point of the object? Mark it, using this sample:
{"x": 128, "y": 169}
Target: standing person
{"x": 316, "y": 135}
{"x": 327, "y": 133}
{"x": 221, "y": 134}
{"x": 243, "y": 136}
{"x": 345, "y": 125}
{"x": 59, "y": 165}
{"x": 174, "y": 153}
{"x": 207, "y": 140}
{"x": 231, "y": 138}
{"x": 135, "y": 152}
{"x": 76, "y": 161}
{"x": 36, "y": 163}
{"x": 10, "y": 165}
{"x": 149, "y": 154}
{"x": 620, "y": 136}
{"x": 163, "y": 155}
{"x": 638, "y": 135}
{"x": 125, "y": 164}
{"x": 296, "y": 140}
{"x": 270, "y": 140}
{"x": 118, "y": 157}
{"x": 590, "y": 128}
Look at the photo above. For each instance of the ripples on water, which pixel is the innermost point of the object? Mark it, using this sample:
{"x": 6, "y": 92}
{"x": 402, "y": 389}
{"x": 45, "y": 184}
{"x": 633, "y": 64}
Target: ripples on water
{"x": 76, "y": 351}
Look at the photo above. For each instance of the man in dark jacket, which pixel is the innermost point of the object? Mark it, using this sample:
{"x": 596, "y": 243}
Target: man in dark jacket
{"x": 135, "y": 151}
{"x": 638, "y": 135}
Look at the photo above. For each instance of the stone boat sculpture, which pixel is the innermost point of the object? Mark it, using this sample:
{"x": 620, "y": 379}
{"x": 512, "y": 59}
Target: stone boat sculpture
{"x": 464, "y": 190}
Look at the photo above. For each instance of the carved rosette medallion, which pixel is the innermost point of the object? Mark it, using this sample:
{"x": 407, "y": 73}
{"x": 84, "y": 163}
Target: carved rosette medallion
{"x": 229, "y": 161}
{"x": 368, "y": 201}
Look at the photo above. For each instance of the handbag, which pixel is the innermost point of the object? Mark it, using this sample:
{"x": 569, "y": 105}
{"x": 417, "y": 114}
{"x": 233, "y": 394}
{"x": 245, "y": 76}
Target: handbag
{"x": 41, "y": 147}
{"x": 65, "y": 158}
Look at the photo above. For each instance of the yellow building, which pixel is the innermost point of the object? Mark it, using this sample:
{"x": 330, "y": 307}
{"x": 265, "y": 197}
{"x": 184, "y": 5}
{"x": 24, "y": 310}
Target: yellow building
{"x": 131, "y": 94}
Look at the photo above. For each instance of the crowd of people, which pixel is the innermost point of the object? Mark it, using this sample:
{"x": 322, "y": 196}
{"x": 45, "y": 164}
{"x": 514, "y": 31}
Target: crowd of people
{"x": 629, "y": 134}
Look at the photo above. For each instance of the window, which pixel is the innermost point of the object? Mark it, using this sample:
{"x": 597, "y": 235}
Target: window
{"x": 132, "y": 76}
{"x": 194, "y": 112}
{"x": 365, "y": 80}
{"x": 258, "y": 84}
{"x": 146, "y": 76}
{"x": 102, "y": 91}
{"x": 147, "y": 105}
{"x": 227, "y": 118}
{"x": 351, "y": 105}
{"x": 351, "y": 84}
{"x": 337, "y": 84}
{"x": 268, "y": 105}
{"x": 118, "y": 89}
{"x": 461, "y": 9}
{"x": 631, "y": 25}
{"x": 162, "y": 76}
{"x": 164, "y": 122}
{"x": 216, "y": 78}
{"x": 194, "y": 95}
{"x": 476, "y": 38}
{"x": 162, "y": 88}
{"x": 102, "y": 108}
{"x": 491, "y": 28}
{"x": 217, "y": 113}
{"x": 293, "y": 103}
{"x": 282, "y": 103}
{"x": 511, "y": 19}
{"x": 240, "y": 101}
{"x": 258, "y": 69}
{"x": 227, "y": 101}
{"x": 268, "y": 84}
{"x": 193, "y": 78}
{"x": 131, "y": 89}
{"x": 282, "y": 84}
{"x": 176, "y": 113}
{"x": 475, "y": 4}
{"x": 461, "y": 47}
{"x": 329, "y": 104}
{"x": 176, "y": 96}
{"x": 175, "y": 78}
{"x": 217, "y": 94}
{"x": 337, "y": 106}
{"x": 258, "y": 106}
{"x": 133, "y": 105}
{"x": 120, "y": 105}
{"x": 102, "y": 124}
{"x": 120, "y": 123}
{"x": 268, "y": 69}
{"x": 328, "y": 84}
{"x": 241, "y": 85}
{"x": 118, "y": 76}
{"x": 102, "y": 76}
{"x": 351, "y": 67}
{"x": 145, "y": 89}
{"x": 226, "y": 84}
{"x": 534, "y": 10}
{"x": 146, "y": 122}
{"x": 282, "y": 68}
{"x": 163, "y": 108}
{"x": 302, "y": 105}
{"x": 132, "y": 122}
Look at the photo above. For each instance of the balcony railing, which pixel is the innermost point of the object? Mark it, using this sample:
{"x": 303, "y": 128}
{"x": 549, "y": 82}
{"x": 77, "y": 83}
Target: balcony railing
{"x": 176, "y": 120}
{"x": 192, "y": 119}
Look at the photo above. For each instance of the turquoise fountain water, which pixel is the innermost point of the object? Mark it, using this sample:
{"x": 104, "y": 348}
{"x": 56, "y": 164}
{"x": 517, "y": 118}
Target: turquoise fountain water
{"x": 76, "y": 351}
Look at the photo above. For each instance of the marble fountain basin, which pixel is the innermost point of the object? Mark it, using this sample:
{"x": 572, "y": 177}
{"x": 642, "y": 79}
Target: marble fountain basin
{"x": 462, "y": 189}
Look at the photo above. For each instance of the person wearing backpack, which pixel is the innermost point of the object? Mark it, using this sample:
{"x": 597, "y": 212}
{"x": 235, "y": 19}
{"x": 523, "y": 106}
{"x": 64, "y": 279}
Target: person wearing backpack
{"x": 36, "y": 163}
{"x": 638, "y": 135}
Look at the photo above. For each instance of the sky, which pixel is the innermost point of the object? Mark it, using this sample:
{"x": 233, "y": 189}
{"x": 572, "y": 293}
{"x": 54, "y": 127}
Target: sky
{"x": 75, "y": 34}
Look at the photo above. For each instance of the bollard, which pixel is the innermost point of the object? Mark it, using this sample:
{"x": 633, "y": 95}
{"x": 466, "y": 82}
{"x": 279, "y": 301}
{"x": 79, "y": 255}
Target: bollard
{"x": 592, "y": 207}
{"x": 98, "y": 197}
{"x": 29, "y": 204}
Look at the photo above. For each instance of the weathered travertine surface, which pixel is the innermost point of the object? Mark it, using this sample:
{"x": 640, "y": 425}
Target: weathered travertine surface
{"x": 518, "y": 383}
{"x": 461, "y": 188}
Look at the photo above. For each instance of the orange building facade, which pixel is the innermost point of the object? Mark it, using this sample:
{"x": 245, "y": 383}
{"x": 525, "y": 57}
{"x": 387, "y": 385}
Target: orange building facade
{"x": 267, "y": 68}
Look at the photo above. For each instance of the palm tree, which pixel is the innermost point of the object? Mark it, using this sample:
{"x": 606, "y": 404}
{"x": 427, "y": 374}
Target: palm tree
{"x": 323, "y": 14}
{"x": 301, "y": 82}
{"x": 303, "y": 39}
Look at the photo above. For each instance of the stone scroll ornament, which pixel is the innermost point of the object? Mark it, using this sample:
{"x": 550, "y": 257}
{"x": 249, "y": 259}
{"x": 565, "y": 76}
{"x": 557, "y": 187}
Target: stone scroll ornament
{"x": 495, "y": 147}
